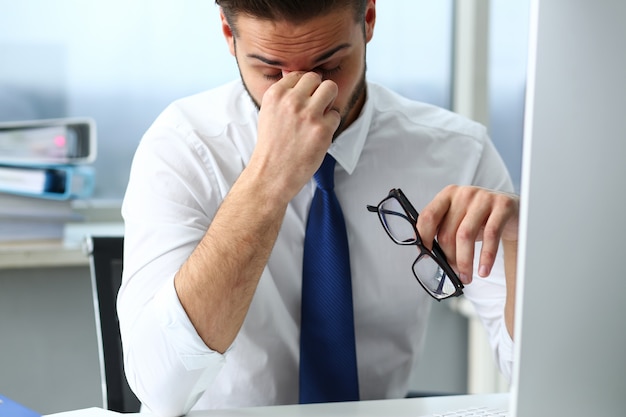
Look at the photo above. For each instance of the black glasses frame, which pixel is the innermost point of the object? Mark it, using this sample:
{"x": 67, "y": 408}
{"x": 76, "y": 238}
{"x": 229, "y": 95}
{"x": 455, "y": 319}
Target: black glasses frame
{"x": 436, "y": 253}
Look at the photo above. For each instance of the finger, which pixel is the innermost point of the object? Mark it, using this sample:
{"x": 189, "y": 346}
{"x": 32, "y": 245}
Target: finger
{"x": 447, "y": 231}
{"x": 333, "y": 117}
{"x": 307, "y": 83}
{"x": 281, "y": 88}
{"x": 324, "y": 98}
{"x": 492, "y": 234}
{"x": 290, "y": 80}
{"x": 467, "y": 234}
{"x": 326, "y": 93}
{"x": 431, "y": 217}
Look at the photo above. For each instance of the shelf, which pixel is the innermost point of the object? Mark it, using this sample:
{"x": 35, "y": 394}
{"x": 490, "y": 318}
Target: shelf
{"x": 68, "y": 252}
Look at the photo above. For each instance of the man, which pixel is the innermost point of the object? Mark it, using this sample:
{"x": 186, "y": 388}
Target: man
{"x": 217, "y": 204}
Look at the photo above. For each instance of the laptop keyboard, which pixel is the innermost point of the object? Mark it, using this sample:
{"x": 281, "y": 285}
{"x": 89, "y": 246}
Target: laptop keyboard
{"x": 472, "y": 412}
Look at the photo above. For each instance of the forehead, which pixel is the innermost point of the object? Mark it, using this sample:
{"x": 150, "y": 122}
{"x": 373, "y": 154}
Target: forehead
{"x": 283, "y": 41}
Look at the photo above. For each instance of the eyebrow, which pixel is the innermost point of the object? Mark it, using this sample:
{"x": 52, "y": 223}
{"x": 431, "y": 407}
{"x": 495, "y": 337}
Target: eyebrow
{"x": 317, "y": 60}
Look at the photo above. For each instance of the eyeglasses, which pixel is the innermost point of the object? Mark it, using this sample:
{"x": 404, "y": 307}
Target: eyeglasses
{"x": 431, "y": 269}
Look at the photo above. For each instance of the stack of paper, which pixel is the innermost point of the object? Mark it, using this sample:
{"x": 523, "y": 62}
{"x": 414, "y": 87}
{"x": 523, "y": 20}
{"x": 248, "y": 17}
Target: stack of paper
{"x": 44, "y": 166}
{"x": 27, "y": 218}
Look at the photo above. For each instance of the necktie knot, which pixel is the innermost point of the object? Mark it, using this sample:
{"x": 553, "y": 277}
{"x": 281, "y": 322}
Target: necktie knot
{"x": 325, "y": 175}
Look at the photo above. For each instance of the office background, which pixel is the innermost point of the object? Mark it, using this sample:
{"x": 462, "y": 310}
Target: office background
{"x": 122, "y": 62}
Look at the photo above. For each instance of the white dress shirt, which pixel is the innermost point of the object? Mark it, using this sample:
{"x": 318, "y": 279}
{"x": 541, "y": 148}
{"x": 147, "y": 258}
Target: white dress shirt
{"x": 183, "y": 168}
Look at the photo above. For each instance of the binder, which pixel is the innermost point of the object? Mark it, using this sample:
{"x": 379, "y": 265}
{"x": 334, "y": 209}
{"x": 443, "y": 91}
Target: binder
{"x": 48, "y": 141}
{"x": 60, "y": 182}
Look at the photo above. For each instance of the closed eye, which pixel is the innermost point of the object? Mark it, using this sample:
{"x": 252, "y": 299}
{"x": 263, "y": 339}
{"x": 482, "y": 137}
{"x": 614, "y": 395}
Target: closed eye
{"x": 273, "y": 77}
{"x": 324, "y": 73}
{"x": 327, "y": 73}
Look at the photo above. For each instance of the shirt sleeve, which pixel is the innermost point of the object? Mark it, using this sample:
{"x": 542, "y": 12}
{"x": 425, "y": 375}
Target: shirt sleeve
{"x": 167, "y": 365}
{"x": 491, "y": 171}
{"x": 169, "y": 203}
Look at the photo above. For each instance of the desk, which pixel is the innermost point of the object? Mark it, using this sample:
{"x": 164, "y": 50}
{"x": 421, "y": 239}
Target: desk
{"x": 411, "y": 407}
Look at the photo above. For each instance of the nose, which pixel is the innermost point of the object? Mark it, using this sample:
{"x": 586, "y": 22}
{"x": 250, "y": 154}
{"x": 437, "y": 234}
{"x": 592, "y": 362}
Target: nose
{"x": 287, "y": 71}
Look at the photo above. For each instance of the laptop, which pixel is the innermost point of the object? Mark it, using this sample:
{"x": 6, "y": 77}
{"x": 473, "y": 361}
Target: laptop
{"x": 571, "y": 314}
{"x": 570, "y": 328}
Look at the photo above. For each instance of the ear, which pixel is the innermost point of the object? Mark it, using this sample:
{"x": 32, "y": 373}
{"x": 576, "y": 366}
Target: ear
{"x": 370, "y": 19}
{"x": 228, "y": 33}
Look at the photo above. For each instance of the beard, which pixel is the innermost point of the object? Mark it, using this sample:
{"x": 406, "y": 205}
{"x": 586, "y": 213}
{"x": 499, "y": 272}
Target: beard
{"x": 357, "y": 93}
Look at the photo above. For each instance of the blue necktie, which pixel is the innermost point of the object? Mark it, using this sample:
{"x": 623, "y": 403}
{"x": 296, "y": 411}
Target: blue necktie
{"x": 328, "y": 369}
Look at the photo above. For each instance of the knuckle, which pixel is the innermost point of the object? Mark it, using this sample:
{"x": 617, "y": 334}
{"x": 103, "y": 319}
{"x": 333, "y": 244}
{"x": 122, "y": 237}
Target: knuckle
{"x": 464, "y": 264}
{"x": 450, "y": 189}
{"x": 321, "y": 130}
{"x": 487, "y": 256}
{"x": 271, "y": 94}
{"x": 427, "y": 217}
{"x": 446, "y": 240}
{"x": 491, "y": 234}
{"x": 508, "y": 203}
{"x": 465, "y": 235}
{"x": 291, "y": 101}
{"x": 464, "y": 261}
{"x": 318, "y": 130}
{"x": 471, "y": 194}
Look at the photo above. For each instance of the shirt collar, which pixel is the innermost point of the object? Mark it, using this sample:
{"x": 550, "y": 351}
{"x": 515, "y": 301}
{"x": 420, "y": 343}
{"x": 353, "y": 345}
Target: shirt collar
{"x": 347, "y": 147}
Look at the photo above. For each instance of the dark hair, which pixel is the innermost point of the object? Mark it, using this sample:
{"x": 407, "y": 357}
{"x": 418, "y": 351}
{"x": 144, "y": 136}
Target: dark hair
{"x": 291, "y": 10}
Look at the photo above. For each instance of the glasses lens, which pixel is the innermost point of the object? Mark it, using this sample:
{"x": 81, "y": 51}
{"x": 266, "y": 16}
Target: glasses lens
{"x": 433, "y": 277}
{"x": 396, "y": 222}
